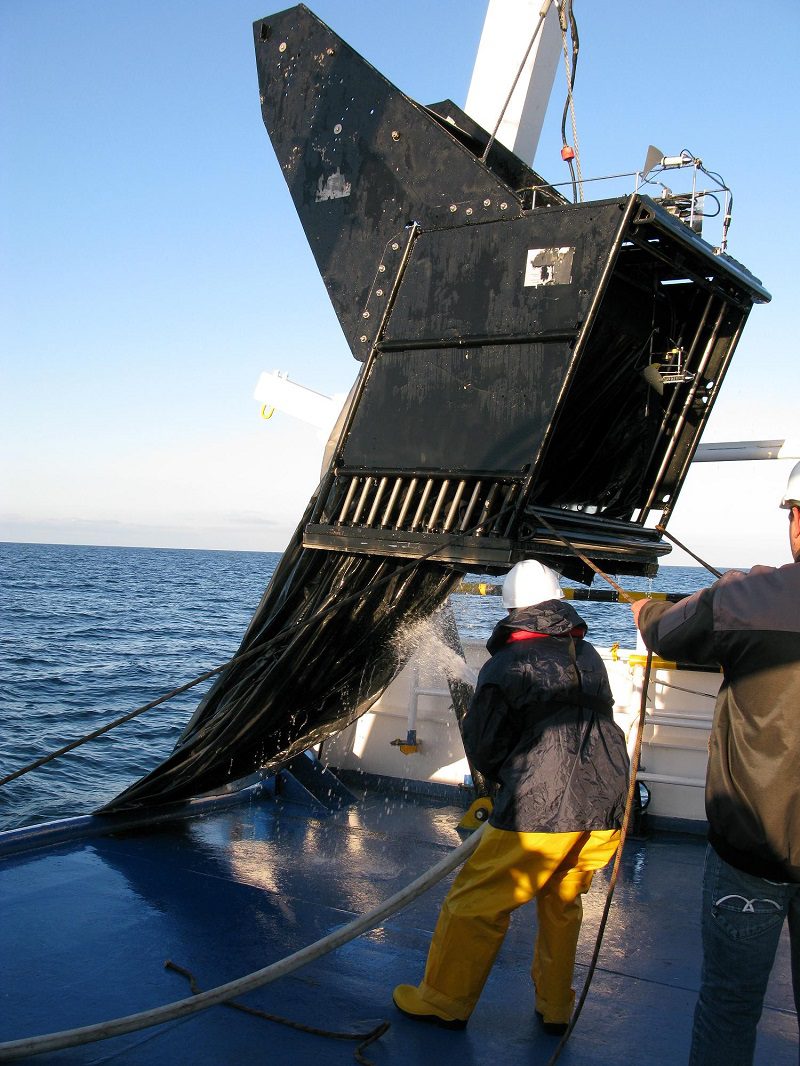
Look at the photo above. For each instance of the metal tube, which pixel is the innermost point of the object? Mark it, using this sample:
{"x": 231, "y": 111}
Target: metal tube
{"x": 376, "y": 502}
{"x": 738, "y": 451}
{"x": 348, "y": 499}
{"x": 677, "y": 721}
{"x": 663, "y": 428}
{"x": 676, "y": 429}
{"x": 407, "y": 502}
{"x": 422, "y": 503}
{"x": 362, "y": 500}
{"x": 670, "y": 779}
{"x": 470, "y": 506}
{"x": 398, "y": 482}
{"x": 506, "y": 501}
{"x": 451, "y": 514}
{"x": 413, "y": 698}
{"x": 487, "y": 507}
{"x": 438, "y": 505}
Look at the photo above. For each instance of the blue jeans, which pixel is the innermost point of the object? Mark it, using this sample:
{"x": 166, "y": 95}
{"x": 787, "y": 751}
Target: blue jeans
{"x": 742, "y": 920}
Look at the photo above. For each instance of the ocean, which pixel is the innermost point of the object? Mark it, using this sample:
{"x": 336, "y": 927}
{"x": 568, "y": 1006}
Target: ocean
{"x": 90, "y": 633}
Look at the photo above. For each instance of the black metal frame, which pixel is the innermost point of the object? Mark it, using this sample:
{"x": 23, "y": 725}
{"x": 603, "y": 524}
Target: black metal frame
{"x": 504, "y": 344}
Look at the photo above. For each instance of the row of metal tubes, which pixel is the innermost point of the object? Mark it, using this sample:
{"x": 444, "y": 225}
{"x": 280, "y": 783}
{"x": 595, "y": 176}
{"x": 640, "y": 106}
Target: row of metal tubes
{"x": 440, "y": 502}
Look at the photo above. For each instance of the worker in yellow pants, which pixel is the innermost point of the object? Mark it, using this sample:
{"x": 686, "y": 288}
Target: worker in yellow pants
{"x": 506, "y": 871}
{"x": 541, "y": 726}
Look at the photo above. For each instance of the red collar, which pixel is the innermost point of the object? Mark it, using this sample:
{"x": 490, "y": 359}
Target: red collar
{"x": 526, "y": 634}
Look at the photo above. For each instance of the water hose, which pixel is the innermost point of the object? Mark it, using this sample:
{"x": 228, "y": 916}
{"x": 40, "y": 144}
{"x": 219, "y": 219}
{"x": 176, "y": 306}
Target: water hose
{"x": 37, "y": 1045}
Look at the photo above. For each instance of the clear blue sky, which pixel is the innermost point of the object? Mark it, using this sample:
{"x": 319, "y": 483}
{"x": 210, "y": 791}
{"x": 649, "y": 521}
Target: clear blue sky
{"x": 151, "y": 264}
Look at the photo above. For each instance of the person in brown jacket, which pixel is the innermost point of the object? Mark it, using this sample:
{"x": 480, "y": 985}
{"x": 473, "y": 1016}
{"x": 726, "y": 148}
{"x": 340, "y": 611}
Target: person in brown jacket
{"x": 750, "y": 625}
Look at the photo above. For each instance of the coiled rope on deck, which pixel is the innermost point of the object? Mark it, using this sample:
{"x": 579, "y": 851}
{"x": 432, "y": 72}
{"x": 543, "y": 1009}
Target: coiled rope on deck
{"x": 37, "y": 1045}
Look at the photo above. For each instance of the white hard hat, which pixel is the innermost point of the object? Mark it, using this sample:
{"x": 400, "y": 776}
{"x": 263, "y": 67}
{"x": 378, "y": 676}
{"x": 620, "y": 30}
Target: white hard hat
{"x": 529, "y": 583}
{"x": 792, "y": 494}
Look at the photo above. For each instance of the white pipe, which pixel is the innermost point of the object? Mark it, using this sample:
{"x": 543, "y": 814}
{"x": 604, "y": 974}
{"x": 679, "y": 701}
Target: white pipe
{"x": 37, "y": 1045}
{"x": 741, "y": 450}
{"x": 276, "y": 390}
{"x": 663, "y": 779}
{"x": 413, "y": 700}
{"x": 678, "y": 721}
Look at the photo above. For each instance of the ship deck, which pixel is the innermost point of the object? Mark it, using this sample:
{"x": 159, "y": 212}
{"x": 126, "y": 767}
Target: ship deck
{"x": 89, "y": 923}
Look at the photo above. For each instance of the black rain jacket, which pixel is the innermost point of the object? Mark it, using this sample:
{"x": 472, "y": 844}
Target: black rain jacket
{"x": 750, "y": 625}
{"x": 541, "y": 726}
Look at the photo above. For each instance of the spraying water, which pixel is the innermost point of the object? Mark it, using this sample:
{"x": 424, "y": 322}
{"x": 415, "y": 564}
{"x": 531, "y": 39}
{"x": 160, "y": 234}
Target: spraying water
{"x": 424, "y": 641}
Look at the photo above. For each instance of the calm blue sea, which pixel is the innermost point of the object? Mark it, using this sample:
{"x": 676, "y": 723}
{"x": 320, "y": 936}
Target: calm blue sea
{"x": 89, "y": 633}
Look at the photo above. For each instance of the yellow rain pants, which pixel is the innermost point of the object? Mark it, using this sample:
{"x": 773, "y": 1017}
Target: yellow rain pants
{"x": 506, "y": 870}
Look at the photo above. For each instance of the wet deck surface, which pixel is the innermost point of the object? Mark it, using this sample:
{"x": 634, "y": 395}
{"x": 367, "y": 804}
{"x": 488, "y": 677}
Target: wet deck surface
{"x": 86, "y": 929}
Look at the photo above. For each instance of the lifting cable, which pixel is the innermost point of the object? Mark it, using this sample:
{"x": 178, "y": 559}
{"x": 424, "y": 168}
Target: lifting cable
{"x": 37, "y": 1045}
{"x": 567, "y": 19}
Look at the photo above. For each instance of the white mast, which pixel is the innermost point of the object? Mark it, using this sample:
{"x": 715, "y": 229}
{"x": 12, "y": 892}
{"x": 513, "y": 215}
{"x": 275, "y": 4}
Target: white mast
{"x": 507, "y": 32}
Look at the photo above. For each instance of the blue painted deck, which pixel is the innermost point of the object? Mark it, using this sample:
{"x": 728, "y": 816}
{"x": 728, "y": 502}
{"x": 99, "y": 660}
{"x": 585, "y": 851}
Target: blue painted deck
{"x": 87, "y": 927}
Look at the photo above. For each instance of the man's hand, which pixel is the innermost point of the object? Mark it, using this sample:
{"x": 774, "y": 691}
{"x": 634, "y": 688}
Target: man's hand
{"x": 636, "y": 608}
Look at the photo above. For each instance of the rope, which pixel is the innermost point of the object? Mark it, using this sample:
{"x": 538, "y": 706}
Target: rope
{"x": 680, "y": 688}
{"x": 295, "y": 628}
{"x": 711, "y": 569}
{"x": 632, "y": 786}
{"x": 627, "y": 597}
{"x": 36, "y": 1045}
{"x": 365, "y": 1039}
{"x": 118, "y": 721}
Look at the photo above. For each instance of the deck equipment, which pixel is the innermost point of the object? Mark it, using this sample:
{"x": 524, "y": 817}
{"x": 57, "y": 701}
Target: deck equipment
{"x": 535, "y": 378}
